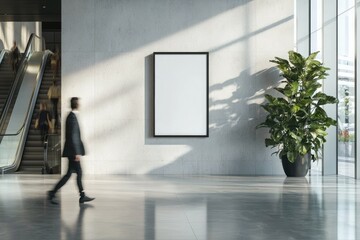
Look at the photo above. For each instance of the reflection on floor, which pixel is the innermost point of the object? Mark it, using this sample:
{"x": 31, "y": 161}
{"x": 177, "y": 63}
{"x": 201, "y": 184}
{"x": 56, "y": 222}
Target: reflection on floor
{"x": 347, "y": 168}
{"x": 173, "y": 207}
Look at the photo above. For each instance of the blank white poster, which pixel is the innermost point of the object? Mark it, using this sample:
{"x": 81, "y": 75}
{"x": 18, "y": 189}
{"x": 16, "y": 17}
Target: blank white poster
{"x": 181, "y": 94}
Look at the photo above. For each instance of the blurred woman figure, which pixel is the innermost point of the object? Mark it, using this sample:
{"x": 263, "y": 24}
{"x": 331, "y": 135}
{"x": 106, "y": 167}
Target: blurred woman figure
{"x": 55, "y": 62}
{"x": 54, "y": 95}
{"x": 43, "y": 121}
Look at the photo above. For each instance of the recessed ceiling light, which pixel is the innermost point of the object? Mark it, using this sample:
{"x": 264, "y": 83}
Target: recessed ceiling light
{"x": 44, "y": 6}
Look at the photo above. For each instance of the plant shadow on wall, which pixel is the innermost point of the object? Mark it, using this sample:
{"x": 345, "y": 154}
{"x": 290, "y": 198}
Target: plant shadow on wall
{"x": 234, "y": 112}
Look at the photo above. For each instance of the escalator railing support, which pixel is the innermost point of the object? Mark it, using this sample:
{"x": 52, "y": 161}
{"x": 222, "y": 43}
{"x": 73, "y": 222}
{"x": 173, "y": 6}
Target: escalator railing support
{"x": 52, "y": 154}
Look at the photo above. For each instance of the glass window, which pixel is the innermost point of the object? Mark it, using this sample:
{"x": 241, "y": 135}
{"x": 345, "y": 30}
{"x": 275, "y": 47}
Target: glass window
{"x": 346, "y": 88}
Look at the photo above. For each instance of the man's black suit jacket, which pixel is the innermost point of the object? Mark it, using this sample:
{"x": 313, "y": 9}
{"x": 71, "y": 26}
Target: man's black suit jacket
{"x": 73, "y": 144}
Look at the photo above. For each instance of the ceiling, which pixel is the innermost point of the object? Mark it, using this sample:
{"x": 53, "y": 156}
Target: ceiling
{"x": 30, "y": 10}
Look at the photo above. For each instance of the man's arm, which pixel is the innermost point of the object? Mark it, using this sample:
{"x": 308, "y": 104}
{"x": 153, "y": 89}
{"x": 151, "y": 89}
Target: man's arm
{"x": 75, "y": 136}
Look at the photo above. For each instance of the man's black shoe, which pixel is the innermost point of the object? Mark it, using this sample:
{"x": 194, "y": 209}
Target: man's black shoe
{"x": 51, "y": 196}
{"x": 85, "y": 199}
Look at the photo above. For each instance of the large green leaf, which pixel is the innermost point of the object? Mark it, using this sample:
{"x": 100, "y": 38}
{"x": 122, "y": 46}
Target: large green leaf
{"x": 270, "y": 142}
{"x": 302, "y": 149}
{"x": 280, "y": 90}
{"x": 291, "y": 156}
{"x": 295, "y": 108}
{"x": 269, "y": 98}
{"x": 320, "y": 132}
{"x": 266, "y": 107}
{"x": 319, "y": 114}
{"x": 312, "y": 56}
{"x": 319, "y": 96}
{"x": 281, "y": 61}
{"x": 313, "y": 134}
{"x": 296, "y": 137}
{"x": 296, "y": 59}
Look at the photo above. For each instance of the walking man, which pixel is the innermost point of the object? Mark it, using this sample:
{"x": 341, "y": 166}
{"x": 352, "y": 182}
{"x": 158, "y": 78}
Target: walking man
{"x": 73, "y": 150}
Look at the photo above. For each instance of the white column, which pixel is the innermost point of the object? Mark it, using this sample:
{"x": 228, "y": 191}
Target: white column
{"x": 302, "y": 18}
{"x": 330, "y": 84}
{"x": 357, "y": 106}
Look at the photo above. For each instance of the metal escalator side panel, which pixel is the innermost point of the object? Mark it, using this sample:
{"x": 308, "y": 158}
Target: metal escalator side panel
{"x": 11, "y": 147}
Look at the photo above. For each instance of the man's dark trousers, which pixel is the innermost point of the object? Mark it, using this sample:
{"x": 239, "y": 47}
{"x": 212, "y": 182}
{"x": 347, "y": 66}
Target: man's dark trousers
{"x": 74, "y": 166}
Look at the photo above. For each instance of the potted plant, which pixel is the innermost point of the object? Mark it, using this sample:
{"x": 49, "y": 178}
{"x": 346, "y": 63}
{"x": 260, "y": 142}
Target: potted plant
{"x": 296, "y": 120}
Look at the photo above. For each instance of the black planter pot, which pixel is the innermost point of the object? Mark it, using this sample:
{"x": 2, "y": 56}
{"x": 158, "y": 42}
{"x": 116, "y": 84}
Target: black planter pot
{"x": 297, "y": 169}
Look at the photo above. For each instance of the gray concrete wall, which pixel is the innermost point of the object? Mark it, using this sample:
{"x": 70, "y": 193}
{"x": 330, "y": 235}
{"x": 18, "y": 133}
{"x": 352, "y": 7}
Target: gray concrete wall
{"x": 106, "y": 61}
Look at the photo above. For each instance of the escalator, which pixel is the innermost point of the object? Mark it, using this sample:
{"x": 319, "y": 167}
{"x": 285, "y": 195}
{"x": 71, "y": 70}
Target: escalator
{"x": 33, "y": 155}
{"x": 17, "y": 113}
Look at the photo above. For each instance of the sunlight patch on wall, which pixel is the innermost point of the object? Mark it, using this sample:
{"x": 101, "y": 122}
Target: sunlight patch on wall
{"x": 201, "y": 33}
{"x": 218, "y": 106}
{"x": 222, "y": 94}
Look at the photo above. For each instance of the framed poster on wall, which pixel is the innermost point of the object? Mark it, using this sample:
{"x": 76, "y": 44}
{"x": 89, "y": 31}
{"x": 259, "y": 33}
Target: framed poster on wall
{"x": 181, "y": 93}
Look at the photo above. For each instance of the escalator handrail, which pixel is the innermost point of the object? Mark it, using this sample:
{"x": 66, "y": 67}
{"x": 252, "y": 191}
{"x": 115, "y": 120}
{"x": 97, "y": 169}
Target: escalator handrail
{"x": 17, "y": 78}
{"x": 27, "y": 120}
{"x": 2, "y": 54}
{"x": 14, "y": 134}
{"x": 28, "y": 45}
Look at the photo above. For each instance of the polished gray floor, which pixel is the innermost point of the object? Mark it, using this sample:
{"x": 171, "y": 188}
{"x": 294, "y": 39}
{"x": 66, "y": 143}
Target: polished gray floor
{"x": 172, "y": 207}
